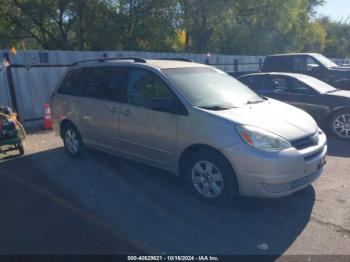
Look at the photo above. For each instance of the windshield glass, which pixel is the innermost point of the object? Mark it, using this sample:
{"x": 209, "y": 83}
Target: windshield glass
{"x": 207, "y": 87}
{"x": 316, "y": 84}
{"x": 325, "y": 61}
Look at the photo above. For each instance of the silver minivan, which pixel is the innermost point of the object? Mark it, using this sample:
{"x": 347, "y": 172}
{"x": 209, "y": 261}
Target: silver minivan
{"x": 192, "y": 120}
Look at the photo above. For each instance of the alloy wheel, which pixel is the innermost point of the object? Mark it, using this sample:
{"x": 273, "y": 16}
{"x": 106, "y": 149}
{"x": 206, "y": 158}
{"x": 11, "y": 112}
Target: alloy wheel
{"x": 207, "y": 179}
{"x": 341, "y": 125}
{"x": 72, "y": 141}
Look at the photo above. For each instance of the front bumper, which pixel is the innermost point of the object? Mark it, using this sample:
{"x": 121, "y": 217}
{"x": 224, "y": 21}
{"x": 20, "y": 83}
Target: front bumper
{"x": 276, "y": 174}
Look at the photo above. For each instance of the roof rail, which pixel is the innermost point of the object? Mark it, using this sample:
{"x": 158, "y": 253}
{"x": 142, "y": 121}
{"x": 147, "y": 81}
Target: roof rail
{"x": 104, "y": 59}
{"x": 177, "y": 59}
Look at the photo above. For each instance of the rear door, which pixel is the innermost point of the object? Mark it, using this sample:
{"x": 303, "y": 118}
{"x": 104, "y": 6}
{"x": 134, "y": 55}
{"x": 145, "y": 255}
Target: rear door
{"x": 68, "y": 101}
{"x": 146, "y": 133}
{"x": 103, "y": 93}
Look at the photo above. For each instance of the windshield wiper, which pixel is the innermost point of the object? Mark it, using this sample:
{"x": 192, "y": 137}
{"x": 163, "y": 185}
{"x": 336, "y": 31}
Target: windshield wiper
{"x": 216, "y": 107}
{"x": 334, "y": 90}
{"x": 257, "y": 101}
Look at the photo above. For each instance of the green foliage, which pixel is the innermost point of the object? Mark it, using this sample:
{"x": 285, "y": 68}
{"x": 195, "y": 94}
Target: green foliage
{"x": 254, "y": 27}
{"x": 338, "y": 36}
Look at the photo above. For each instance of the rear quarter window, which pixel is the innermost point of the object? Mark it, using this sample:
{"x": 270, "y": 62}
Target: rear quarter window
{"x": 71, "y": 84}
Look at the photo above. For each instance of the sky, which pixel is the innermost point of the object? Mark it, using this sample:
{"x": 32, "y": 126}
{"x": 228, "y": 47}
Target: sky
{"x": 336, "y": 9}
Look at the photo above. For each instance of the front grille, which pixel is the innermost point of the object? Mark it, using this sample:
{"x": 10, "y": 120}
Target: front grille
{"x": 313, "y": 156}
{"x": 298, "y": 183}
{"x": 306, "y": 141}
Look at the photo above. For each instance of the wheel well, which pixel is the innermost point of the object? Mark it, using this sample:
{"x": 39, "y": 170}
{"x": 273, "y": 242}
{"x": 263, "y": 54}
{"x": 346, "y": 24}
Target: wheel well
{"x": 194, "y": 149}
{"x": 336, "y": 111}
{"x": 64, "y": 124}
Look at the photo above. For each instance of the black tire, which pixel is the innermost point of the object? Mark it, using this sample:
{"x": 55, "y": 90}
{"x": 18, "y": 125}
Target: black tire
{"x": 332, "y": 120}
{"x": 68, "y": 130}
{"x": 21, "y": 149}
{"x": 229, "y": 186}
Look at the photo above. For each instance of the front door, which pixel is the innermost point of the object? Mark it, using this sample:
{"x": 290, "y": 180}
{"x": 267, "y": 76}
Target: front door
{"x": 146, "y": 133}
{"x": 305, "y": 64}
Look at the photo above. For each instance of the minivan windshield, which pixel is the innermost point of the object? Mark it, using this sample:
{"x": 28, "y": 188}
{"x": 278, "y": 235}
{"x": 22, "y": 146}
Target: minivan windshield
{"x": 209, "y": 88}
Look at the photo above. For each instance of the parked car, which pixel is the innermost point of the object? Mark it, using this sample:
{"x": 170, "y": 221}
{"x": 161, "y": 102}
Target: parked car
{"x": 329, "y": 106}
{"x": 312, "y": 64}
{"x": 192, "y": 120}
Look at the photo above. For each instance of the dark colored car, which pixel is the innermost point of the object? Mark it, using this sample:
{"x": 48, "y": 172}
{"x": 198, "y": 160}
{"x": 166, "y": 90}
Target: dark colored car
{"x": 329, "y": 106}
{"x": 315, "y": 65}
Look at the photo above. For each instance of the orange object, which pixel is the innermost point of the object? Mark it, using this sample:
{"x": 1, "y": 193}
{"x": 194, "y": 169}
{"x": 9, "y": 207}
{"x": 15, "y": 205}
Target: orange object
{"x": 47, "y": 117}
{"x": 13, "y": 117}
{"x": 13, "y": 51}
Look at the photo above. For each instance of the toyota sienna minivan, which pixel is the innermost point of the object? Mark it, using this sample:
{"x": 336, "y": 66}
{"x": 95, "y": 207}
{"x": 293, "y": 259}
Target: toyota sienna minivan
{"x": 192, "y": 120}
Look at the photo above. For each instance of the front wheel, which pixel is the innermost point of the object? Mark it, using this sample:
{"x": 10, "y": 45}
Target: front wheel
{"x": 73, "y": 142}
{"x": 210, "y": 177}
{"x": 339, "y": 124}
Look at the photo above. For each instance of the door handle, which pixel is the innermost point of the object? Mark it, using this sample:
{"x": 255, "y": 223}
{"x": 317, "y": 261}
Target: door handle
{"x": 127, "y": 112}
{"x": 113, "y": 109}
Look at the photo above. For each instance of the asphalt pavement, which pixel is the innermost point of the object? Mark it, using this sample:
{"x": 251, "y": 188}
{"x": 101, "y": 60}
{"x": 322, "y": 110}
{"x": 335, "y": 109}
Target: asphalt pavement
{"x": 102, "y": 204}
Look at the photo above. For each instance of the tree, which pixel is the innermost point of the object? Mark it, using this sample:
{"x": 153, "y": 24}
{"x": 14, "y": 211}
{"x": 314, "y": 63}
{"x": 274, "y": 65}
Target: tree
{"x": 254, "y": 27}
{"x": 337, "y": 40}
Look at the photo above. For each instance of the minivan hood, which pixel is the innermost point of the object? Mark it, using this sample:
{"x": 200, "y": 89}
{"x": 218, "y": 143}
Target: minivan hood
{"x": 277, "y": 117}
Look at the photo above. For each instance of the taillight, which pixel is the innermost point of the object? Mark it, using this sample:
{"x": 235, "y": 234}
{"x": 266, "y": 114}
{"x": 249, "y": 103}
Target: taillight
{"x": 1, "y": 126}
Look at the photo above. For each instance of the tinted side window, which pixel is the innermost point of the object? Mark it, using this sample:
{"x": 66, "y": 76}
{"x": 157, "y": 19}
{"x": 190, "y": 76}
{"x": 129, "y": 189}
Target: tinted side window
{"x": 300, "y": 64}
{"x": 105, "y": 82}
{"x": 256, "y": 83}
{"x": 277, "y": 64}
{"x": 298, "y": 87}
{"x": 71, "y": 84}
{"x": 144, "y": 86}
{"x": 278, "y": 84}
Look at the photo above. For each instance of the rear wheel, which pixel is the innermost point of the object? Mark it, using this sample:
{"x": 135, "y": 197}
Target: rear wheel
{"x": 210, "y": 177}
{"x": 72, "y": 141}
{"x": 339, "y": 124}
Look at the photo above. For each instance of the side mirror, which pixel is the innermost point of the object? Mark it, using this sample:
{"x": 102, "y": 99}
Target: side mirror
{"x": 164, "y": 104}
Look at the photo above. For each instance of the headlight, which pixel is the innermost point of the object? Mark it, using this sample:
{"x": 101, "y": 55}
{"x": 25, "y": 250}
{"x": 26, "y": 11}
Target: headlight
{"x": 262, "y": 139}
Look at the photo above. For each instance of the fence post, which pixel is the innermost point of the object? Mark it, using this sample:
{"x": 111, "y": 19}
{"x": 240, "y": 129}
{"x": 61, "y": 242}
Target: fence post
{"x": 11, "y": 85}
{"x": 207, "y": 58}
{"x": 260, "y": 64}
{"x": 236, "y": 65}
